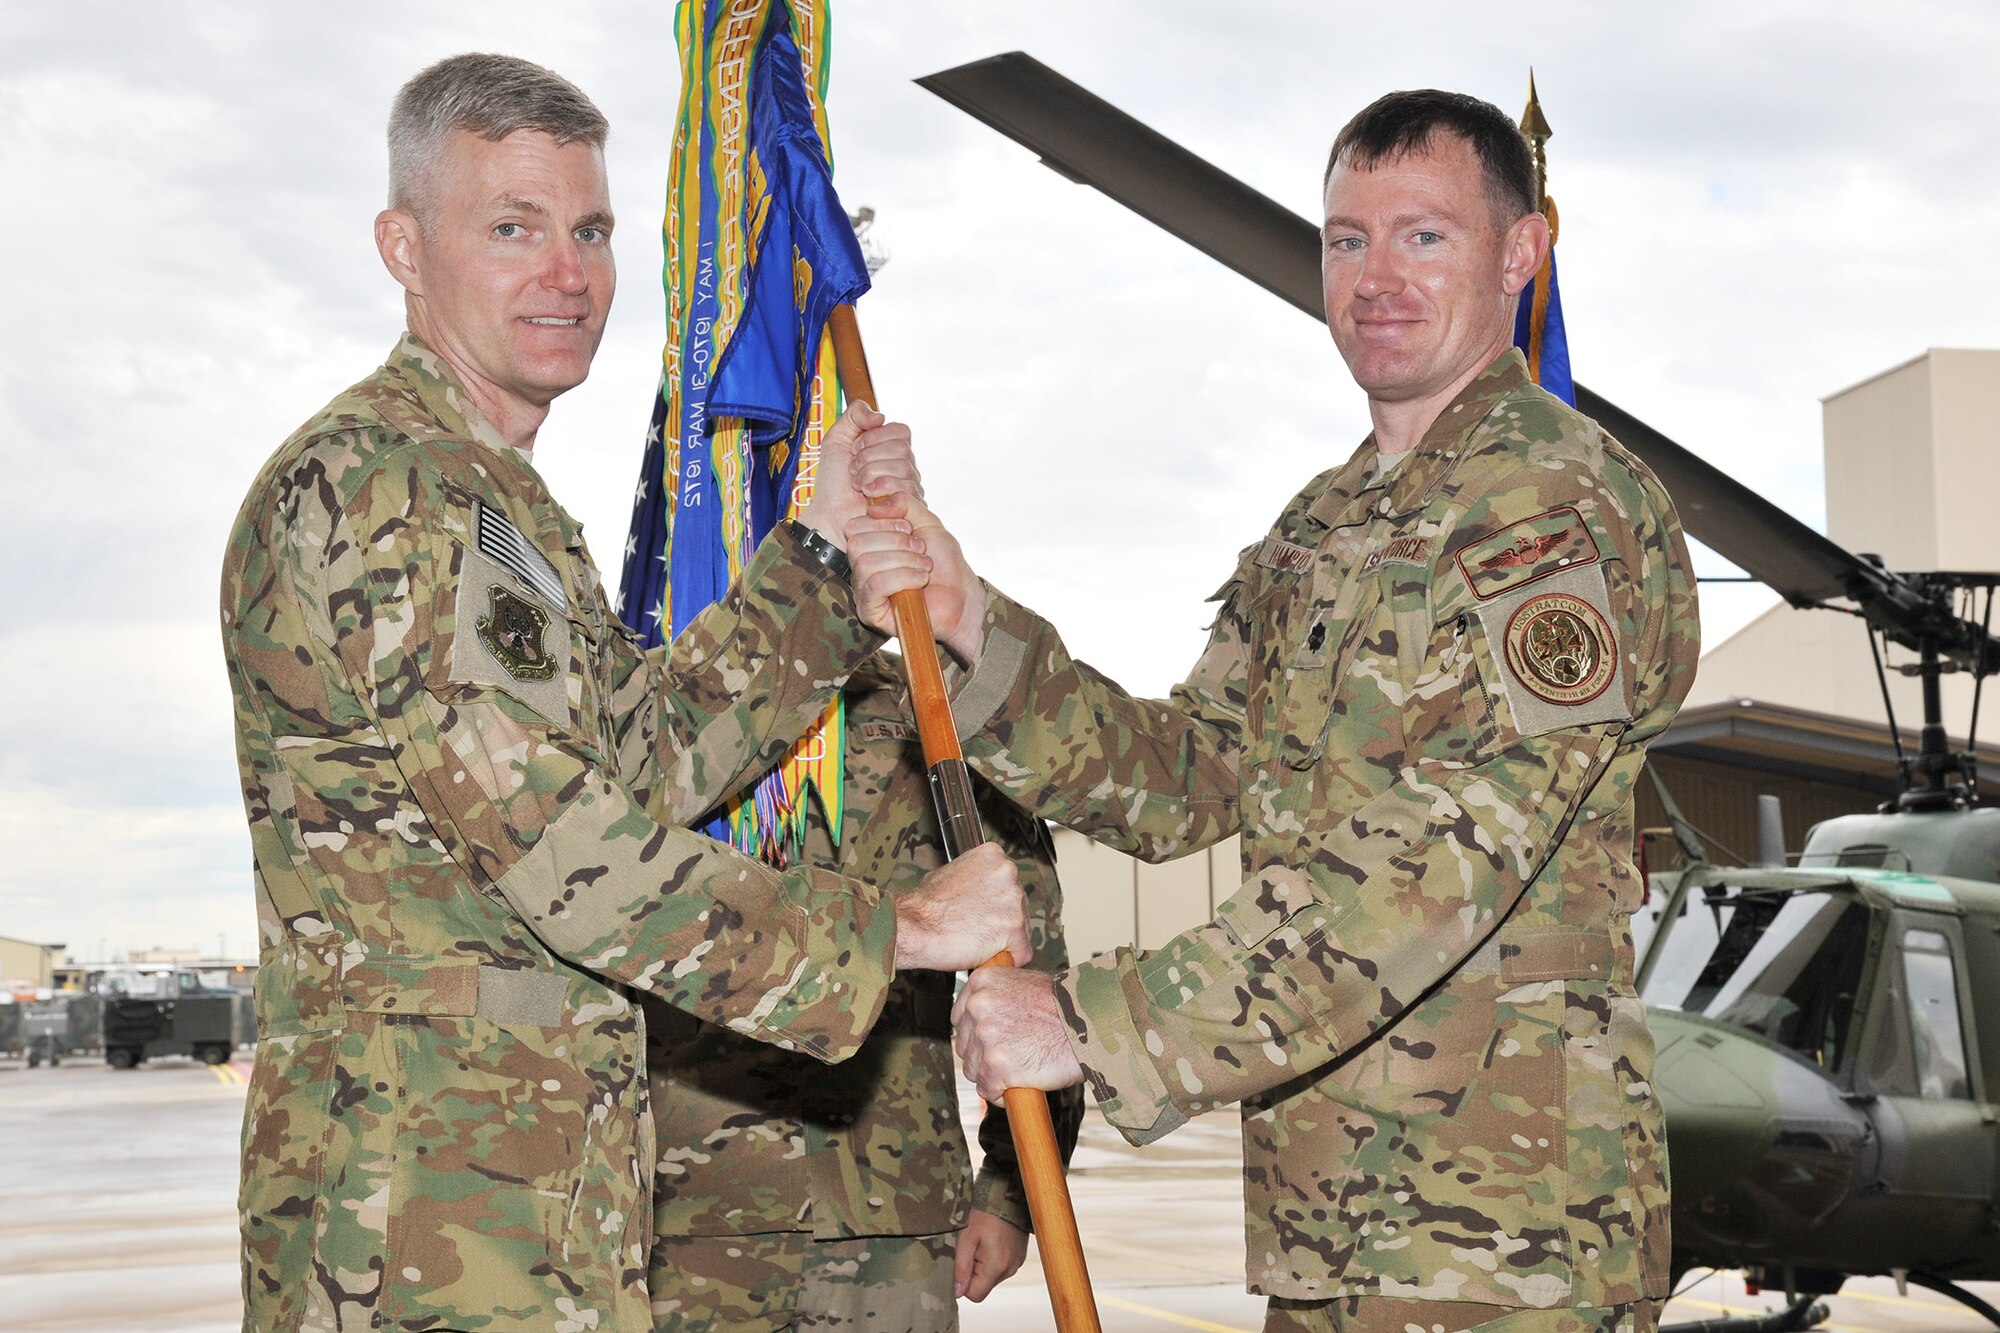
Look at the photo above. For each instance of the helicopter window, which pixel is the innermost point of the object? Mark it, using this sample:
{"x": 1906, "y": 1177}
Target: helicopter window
{"x": 1868, "y": 856}
{"x": 1920, "y": 1047}
{"x": 1938, "y": 1044}
{"x": 1788, "y": 968}
{"x": 1685, "y": 953}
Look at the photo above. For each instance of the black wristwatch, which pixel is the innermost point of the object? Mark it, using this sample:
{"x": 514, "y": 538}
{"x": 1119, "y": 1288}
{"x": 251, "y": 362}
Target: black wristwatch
{"x": 826, "y": 553}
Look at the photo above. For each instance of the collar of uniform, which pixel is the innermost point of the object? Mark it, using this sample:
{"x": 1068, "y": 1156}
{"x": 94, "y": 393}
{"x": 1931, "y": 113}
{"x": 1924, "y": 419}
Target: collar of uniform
{"x": 435, "y": 385}
{"x": 1346, "y": 483}
{"x": 438, "y": 389}
{"x": 1415, "y": 484}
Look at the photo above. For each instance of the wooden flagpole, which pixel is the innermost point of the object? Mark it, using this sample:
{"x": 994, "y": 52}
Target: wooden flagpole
{"x": 1056, "y": 1237}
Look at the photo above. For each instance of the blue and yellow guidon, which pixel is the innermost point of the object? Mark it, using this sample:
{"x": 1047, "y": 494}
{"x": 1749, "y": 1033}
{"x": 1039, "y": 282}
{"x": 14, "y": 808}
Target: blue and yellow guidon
{"x": 758, "y": 253}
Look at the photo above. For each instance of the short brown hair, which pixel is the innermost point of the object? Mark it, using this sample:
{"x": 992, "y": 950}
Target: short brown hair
{"x": 488, "y": 95}
{"x": 1397, "y": 124}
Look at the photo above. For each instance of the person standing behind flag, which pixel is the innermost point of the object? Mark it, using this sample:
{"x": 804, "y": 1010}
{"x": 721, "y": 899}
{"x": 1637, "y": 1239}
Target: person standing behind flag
{"x": 789, "y": 1195}
{"x": 795, "y": 1196}
{"x": 1424, "y": 703}
{"x": 449, "y": 748}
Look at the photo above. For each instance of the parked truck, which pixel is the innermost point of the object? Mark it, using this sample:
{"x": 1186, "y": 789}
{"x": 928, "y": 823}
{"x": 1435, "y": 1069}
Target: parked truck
{"x": 170, "y": 1013}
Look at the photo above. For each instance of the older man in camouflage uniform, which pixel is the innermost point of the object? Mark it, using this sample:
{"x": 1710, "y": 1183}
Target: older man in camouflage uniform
{"x": 795, "y": 1196}
{"x": 464, "y": 780}
{"x": 1424, "y": 704}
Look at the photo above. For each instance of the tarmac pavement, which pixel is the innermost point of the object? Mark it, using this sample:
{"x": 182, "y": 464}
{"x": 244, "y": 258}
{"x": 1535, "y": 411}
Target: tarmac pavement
{"x": 118, "y": 1215}
{"x": 118, "y": 1196}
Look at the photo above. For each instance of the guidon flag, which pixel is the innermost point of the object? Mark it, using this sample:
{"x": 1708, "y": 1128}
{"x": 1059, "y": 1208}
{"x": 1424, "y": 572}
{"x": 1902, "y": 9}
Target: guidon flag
{"x": 1538, "y": 320}
{"x": 758, "y": 253}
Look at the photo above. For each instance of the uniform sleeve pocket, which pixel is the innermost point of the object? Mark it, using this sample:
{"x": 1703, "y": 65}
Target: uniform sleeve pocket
{"x": 495, "y": 631}
{"x": 1268, "y": 900}
{"x": 1548, "y": 657}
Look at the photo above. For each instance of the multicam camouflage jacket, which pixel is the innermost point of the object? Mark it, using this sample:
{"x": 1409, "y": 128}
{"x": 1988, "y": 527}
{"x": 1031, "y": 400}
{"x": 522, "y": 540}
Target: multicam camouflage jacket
{"x": 753, "y": 1139}
{"x": 1424, "y": 704}
{"x": 449, "y": 751}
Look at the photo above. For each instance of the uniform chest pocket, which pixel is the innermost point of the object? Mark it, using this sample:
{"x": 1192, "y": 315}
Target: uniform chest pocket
{"x": 1314, "y": 641}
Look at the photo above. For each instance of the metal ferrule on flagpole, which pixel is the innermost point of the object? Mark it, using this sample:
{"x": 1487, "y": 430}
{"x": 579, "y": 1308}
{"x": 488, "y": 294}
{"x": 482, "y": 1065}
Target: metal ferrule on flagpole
{"x": 1056, "y": 1237}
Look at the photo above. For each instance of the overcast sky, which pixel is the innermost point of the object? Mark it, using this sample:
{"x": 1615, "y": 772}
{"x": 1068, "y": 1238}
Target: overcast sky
{"x": 1761, "y": 203}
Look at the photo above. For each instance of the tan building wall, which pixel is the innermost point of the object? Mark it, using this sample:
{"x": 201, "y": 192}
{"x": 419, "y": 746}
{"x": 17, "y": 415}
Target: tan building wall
{"x": 1912, "y": 475}
{"x": 26, "y": 961}
{"x": 1913, "y": 463}
{"x": 1111, "y": 899}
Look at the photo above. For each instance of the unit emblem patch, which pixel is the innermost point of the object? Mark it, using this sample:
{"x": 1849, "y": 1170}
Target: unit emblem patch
{"x": 513, "y": 632}
{"x": 1560, "y": 647}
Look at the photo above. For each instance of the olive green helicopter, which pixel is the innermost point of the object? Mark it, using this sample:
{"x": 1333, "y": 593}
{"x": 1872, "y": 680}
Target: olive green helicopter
{"x": 1825, "y": 1030}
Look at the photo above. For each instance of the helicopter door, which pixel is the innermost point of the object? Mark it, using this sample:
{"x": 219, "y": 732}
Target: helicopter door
{"x": 1938, "y": 1147}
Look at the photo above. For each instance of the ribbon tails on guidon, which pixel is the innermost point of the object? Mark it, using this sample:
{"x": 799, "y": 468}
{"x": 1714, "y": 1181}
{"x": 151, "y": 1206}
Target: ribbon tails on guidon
{"x": 759, "y": 252}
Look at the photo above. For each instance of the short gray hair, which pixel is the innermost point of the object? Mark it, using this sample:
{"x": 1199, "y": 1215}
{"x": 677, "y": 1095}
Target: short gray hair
{"x": 488, "y": 95}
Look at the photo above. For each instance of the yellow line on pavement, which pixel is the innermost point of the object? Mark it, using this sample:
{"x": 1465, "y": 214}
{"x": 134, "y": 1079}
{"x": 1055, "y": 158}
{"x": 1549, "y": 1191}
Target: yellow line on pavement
{"x": 1952, "y": 1306}
{"x": 1906, "y": 1301}
{"x": 1746, "y": 1311}
{"x": 1133, "y": 1307}
{"x": 226, "y": 1074}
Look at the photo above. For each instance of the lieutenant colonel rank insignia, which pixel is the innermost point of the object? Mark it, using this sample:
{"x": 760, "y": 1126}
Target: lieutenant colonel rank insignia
{"x": 512, "y": 632}
{"x": 1560, "y": 648}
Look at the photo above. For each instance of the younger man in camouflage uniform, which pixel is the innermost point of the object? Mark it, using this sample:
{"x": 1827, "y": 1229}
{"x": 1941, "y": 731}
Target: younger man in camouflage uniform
{"x": 1424, "y": 704}
{"x": 791, "y": 1195}
{"x": 449, "y": 749}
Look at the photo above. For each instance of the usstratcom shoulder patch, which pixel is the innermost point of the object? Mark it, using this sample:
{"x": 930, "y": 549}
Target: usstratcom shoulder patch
{"x": 1561, "y": 649}
{"x": 1527, "y": 551}
{"x": 501, "y": 541}
{"x": 1557, "y": 656}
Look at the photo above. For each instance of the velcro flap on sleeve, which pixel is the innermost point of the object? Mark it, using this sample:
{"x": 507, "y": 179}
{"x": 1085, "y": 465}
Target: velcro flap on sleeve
{"x": 1266, "y": 901}
{"x": 505, "y": 635}
{"x": 1554, "y": 953}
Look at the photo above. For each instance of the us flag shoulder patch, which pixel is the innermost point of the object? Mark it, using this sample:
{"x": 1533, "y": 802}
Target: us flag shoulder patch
{"x": 501, "y": 541}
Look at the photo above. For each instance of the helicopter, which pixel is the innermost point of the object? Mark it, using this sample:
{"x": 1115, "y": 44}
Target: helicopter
{"x": 1826, "y": 1030}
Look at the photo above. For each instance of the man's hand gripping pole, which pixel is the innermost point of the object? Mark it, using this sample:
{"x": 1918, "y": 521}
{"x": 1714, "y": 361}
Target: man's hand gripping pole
{"x": 1034, "y": 1132}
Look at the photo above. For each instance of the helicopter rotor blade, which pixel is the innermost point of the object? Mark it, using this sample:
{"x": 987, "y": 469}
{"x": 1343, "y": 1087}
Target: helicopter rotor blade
{"x": 1086, "y": 139}
{"x": 1735, "y": 522}
{"x": 1081, "y": 136}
